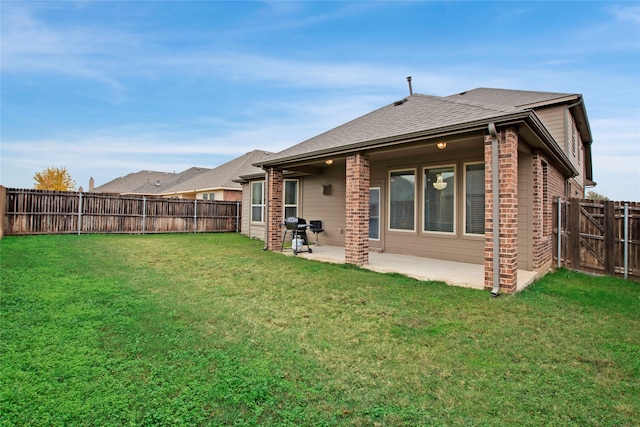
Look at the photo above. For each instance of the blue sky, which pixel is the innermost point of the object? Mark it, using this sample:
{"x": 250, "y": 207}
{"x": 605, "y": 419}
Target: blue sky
{"x": 113, "y": 87}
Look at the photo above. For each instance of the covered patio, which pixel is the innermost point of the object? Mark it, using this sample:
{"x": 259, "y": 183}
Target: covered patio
{"x": 452, "y": 273}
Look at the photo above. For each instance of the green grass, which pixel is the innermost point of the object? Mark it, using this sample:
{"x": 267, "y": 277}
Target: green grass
{"x": 209, "y": 329}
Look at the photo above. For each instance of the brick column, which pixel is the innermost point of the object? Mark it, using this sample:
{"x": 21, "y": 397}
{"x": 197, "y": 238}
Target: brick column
{"x": 356, "y": 248}
{"x": 274, "y": 209}
{"x": 508, "y": 207}
{"x": 541, "y": 240}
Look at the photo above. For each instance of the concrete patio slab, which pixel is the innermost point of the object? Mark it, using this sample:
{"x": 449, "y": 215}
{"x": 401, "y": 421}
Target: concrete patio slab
{"x": 452, "y": 273}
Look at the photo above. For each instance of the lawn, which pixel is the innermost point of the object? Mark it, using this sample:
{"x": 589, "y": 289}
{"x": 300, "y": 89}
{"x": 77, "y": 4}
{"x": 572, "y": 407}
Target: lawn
{"x": 208, "y": 329}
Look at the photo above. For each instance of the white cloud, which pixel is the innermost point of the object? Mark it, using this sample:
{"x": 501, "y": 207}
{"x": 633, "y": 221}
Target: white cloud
{"x": 626, "y": 13}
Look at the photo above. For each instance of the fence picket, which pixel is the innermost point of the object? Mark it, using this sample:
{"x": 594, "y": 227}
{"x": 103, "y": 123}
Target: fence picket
{"x": 58, "y": 212}
{"x": 603, "y": 237}
{"x": 609, "y": 239}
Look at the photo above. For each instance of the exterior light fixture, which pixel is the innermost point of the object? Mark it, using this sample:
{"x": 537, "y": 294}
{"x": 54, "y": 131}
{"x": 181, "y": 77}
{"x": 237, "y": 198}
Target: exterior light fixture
{"x": 439, "y": 184}
{"x": 441, "y": 145}
{"x": 329, "y": 162}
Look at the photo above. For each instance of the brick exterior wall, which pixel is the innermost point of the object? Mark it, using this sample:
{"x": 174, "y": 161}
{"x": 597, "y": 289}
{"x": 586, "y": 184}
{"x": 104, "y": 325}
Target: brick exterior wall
{"x": 540, "y": 196}
{"x": 274, "y": 209}
{"x": 232, "y": 195}
{"x": 508, "y": 210}
{"x": 357, "y": 210}
{"x": 556, "y": 183}
{"x": 549, "y": 184}
{"x": 577, "y": 190}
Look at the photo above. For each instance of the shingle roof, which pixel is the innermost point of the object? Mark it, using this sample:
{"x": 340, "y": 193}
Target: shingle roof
{"x": 421, "y": 114}
{"x": 249, "y": 169}
{"x": 147, "y": 182}
{"x": 415, "y": 113}
{"x": 508, "y": 97}
{"x": 221, "y": 177}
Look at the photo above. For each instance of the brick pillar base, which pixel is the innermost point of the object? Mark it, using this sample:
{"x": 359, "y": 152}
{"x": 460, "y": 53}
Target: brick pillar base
{"x": 356, "y": 247}
{"x": 274, "y": 209}
{"x": 508, "y": 207}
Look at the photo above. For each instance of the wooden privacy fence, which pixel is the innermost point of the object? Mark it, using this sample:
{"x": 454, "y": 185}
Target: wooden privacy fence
{"x": 59, "y": 212}
{"x": 601, "y": 237}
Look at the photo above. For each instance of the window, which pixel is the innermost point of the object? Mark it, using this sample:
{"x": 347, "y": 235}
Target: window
{"x": 290, "y": 198}
{"x": 374, "y": 213}
{"x": 474, "y": 198}
{"x": 257, "y": 201}
{"x": 205, "y": 196}
{"x": 402, "y": 195}
{"x": 439, "y": 199}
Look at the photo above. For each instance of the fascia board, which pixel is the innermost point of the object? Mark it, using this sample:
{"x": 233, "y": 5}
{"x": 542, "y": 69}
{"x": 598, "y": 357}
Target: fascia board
{"x": 551, "y": 102}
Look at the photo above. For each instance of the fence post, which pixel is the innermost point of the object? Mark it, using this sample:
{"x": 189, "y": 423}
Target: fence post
{"x": 144, "y": 213}
{"x": 79, "y": 213}
{"x": 195, "y": 215}
{"x": 609, "y": 238}
{"x": 559, "y": 232}
{"x": 626, "y": 241}
{"x": 237, "y": 217}
{"x": 574, "y": 228}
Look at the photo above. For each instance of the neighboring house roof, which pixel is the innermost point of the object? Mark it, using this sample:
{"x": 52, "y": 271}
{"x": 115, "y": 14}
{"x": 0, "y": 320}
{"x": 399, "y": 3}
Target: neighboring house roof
{"x": 249, "y": 170}
{"x": 423, "y": 116}
{"x": 147, "y": 182}
{"x": 221, "y": 177}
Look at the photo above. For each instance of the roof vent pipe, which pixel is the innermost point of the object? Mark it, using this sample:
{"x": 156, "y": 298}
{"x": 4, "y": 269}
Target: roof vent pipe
{"x": 410, "y": 88}
{"x": 495, "y": 215}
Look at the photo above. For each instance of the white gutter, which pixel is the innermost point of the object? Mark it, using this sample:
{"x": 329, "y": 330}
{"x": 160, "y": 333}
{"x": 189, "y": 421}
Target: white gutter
{"x": 495, "y": 215}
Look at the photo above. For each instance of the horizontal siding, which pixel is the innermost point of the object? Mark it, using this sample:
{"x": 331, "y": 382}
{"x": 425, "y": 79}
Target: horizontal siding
{"x": 253, "y": 230}
{"x": 257, "y": 231}
{"x": 470, "y": 250}
{"x": 246, "y": 210}
{"x": 554, "y": 120}
{"x": 330, "y": 209}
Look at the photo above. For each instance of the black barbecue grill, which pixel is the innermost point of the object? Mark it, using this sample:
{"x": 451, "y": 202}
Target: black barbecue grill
{"x": 297, "y": 227}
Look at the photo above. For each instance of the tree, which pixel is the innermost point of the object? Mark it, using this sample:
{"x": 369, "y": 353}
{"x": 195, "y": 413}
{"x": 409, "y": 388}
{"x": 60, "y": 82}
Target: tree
{"x": 592, "y": 195}
{"x": 57, "y": 179}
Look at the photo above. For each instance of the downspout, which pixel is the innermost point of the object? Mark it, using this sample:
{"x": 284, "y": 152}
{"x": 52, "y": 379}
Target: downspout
{"x": 266, "y": 210}
{"x": 495, "y": 215}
